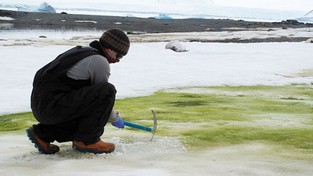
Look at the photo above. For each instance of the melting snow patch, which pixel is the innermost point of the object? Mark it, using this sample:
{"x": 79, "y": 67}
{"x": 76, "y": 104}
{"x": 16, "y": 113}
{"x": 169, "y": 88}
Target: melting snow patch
{"x": 85, "y": 21}
{"x": 310, "y": 40}
{"x": 19, "y": 149}
{"x": 3, "y": 18}
{"x": 135, "y": 155}
{"x": 143, "y": 148}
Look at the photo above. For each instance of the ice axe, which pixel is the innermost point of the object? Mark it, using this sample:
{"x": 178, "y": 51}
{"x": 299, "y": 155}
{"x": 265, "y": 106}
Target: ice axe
{"x": 145, "y": 128}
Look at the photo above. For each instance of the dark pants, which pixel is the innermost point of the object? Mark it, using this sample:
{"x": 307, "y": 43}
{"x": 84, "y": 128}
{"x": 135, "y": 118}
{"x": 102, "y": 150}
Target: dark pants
{"x": 80, "y": 115}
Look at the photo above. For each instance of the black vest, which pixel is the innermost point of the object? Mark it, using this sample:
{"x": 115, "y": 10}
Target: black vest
{"x": 54, "y": 73}
{"x": 51, "y": 80}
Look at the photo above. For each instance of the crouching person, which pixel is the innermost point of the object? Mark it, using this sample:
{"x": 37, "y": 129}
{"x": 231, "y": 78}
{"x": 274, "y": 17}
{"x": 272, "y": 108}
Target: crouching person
{"x": 72, "y": 99}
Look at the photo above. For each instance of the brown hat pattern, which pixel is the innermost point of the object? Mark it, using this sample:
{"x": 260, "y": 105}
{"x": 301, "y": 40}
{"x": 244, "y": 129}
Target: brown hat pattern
{"x": 116, "y": 40}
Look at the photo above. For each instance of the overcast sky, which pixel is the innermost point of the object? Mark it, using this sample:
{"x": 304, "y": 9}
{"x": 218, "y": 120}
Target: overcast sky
{"x": 301, "y": 5}
{"x": 293, "y": 5}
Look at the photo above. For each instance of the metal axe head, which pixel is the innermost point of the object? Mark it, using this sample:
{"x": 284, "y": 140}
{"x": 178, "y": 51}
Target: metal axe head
{"x": 155, "y": 123}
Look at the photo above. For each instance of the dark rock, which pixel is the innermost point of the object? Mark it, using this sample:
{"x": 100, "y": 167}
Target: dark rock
{"x": 27, "y": 20}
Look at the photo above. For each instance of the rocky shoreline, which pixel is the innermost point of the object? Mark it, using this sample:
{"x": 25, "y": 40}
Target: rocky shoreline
{"x": 36, "y": 20}
{"x": 137, "y": 26}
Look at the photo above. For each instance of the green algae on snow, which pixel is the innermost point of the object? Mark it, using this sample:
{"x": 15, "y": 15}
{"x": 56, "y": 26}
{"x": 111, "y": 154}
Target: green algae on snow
{"x": 221, "y": 115}
{"x": 14, "y": 122}
{"x": 224, "y": 115}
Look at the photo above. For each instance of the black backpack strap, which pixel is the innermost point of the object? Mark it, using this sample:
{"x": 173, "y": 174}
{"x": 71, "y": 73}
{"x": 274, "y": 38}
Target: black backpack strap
{"x": 64, "y": 61}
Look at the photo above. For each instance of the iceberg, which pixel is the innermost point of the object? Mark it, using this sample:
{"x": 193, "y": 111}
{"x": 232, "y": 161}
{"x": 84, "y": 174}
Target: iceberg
{"x": 44, "y": 7}
{"x": 164, "y": 16}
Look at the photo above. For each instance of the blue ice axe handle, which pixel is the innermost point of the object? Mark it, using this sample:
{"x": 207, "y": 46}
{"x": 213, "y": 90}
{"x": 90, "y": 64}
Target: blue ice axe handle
{"x": 134, "y": 125}
{"x": 141, "y": 127}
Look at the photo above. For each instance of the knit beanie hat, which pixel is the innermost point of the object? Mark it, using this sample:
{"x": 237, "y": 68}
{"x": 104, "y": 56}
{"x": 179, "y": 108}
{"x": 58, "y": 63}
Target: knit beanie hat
{"x": 116, "y": 40}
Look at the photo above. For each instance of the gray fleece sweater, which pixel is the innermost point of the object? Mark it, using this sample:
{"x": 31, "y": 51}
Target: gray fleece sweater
{"x": 97, "y": 69}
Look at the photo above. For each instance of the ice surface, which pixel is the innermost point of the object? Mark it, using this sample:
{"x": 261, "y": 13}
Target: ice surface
{"x": 151, "y": 67}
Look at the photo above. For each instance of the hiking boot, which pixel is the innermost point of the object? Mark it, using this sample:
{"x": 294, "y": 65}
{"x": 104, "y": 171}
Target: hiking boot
{"x": 98, "y": 147}
{"x": 42, "y": 146}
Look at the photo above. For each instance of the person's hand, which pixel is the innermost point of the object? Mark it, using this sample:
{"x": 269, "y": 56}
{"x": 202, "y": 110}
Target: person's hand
{"x": 119, "y": 123}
